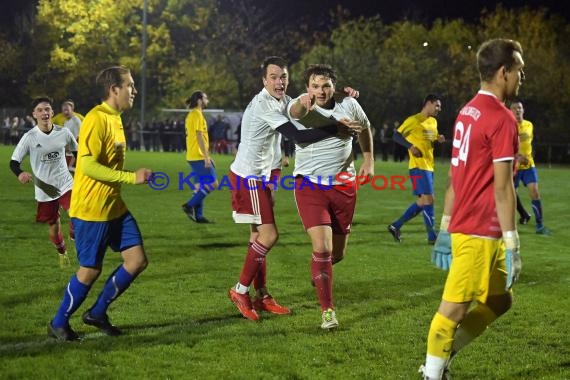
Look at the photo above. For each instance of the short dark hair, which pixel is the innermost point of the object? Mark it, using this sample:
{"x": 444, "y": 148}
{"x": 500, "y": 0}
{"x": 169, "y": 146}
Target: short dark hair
{"x": 68, "y": 101}
{"x": 192, "y": 101}
{"x": 319, "y": 69}
{"x": 272, "y": 60}
{"x": 496, "y": 53}
{"x": 431, "y": 98}
{"x": 41, "y": 99}
{"x": 109, "y": 78}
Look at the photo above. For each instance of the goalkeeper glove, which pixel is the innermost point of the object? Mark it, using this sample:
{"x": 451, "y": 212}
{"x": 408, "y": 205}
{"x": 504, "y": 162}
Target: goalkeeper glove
{"x": 512, "y": 257}
{"x": 441, "y": 255}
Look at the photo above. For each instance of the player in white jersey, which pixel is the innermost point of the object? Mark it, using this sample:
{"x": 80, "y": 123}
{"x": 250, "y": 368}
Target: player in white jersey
{"x": 263, "y": 120}
{"x": 46, "y": 144}
{"x": 325, "y": 190}
{"x": 73, "y": 123}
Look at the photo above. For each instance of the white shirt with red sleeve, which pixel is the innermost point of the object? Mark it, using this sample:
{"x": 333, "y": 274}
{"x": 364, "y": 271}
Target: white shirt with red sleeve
{"x": 485, "y": 132}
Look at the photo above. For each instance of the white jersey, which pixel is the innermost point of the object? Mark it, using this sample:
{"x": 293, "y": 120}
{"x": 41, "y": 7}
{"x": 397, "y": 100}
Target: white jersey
{"x": 278, "y": 154}
{"x": 47, "y": 159}
{"x": 73, "y": 124}
{"x": 257, "y": 149}
{"x": 322, "y": 161}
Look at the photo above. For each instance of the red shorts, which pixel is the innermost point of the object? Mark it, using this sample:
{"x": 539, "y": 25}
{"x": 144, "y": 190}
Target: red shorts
{"x": 331, "y": 206}
{"x": 251, "y": 201}
{"x": 48, "y": 212}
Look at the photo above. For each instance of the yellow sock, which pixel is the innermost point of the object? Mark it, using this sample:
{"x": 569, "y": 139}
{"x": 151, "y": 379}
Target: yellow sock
{"x": 474, "y": 324}
{"x": 440, "y": 341}
{"x": 440, "y": 337}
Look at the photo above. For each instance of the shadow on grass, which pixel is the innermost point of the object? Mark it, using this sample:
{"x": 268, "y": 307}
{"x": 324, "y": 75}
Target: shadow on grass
{"x": 220, "y": 244}
{"x": 159, "y": 333}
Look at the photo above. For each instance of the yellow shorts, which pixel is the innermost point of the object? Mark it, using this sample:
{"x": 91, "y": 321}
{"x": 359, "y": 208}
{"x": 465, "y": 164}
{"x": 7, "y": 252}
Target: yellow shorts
{"x": 477, "y": 270}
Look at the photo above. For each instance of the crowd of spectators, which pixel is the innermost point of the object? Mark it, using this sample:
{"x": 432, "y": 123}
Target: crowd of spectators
{"x": 169, "y": 135}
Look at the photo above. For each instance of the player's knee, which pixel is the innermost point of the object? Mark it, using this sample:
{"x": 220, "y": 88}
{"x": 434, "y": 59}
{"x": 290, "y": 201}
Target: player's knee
{"x": 500, "y": 304}
{"x": 268, "y": 238}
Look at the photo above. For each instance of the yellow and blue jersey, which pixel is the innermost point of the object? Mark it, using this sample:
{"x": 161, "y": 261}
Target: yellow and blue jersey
{"x": 525, "y": 129}
{"x": 420, "y": 131}
{"x": 195, "y": 122}
{"x": 103, "y": 138}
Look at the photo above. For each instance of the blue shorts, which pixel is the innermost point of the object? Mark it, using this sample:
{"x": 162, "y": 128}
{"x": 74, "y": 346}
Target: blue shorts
{"x": 201, "y": 174}
{"x": 422, "y": 183}
{"x": 93, "y": 238}
{"x": 527, "y": 176}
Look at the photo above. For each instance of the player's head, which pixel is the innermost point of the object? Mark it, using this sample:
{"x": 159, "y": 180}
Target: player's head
{"x": 197, "y": 99}
{"x": 320, "y": 80}
{"x": 500, "y": 64}
{"x": 275, "y": 76}
{"x": 67, "y": 108}
{"x": 42, "y": 110}
{"x": 517, "y": 109}
{"x": 432, "y": 105}
{"x": 117, "y": 87}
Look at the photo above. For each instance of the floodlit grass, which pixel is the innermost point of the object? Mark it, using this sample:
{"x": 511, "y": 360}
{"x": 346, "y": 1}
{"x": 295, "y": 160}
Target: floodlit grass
{"x": 180, "y": 324}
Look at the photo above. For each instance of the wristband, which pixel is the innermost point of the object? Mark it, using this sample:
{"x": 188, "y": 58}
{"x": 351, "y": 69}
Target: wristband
{"x": 444, "y": 222}
{"x": 511, "y": 239}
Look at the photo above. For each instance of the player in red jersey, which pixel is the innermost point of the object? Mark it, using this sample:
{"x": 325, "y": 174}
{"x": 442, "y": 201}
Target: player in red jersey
{"x": 479, "y": 210}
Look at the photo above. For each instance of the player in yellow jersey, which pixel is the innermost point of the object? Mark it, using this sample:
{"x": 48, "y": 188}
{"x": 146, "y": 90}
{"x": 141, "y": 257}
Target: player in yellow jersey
{"x": 60, "y": 118}
{"x": 418, "y": 133}
{"x": 526, "y": 170}
{"x": 198, "y": 156}
{"x": 98, "y": 213}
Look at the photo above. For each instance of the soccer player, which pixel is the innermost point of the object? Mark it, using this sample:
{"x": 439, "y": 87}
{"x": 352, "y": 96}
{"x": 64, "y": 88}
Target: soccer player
{"x": 527, "y": 171}
{"x": 325, "y": 189}
{"x": 479, "y": 211}
{"x": 46, "y": 144}
{"x": 73, "y": 123}
{"x": 418, "y": 133}
{"x": 60, "y": 118}
{"x": 252, "y": 195}
{"x": 198, "y": 157}
{"x": 99, "y": 214}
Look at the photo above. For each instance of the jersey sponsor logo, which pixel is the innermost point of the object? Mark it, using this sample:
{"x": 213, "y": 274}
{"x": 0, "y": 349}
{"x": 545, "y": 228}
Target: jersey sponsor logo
{"x": 50, "y": 157}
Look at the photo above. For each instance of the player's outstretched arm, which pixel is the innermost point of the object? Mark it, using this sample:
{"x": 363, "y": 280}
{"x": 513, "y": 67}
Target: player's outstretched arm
{"x": 307, "y": 136}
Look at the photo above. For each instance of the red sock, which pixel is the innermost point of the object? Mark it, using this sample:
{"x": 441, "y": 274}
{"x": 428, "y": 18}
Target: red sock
{"x": 321, "y": 270}
{"x": 254, "y": 260}
{"x": 260, "y": 279}
{"x": 58, "y": 242}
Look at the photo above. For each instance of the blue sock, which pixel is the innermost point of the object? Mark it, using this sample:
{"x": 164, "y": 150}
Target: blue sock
{"x": 537, "y": 208}
{"x": 429, "y": 221}
{"x": 411, "y": 212}
{"x": 73, "y": 297}
{"x": 116, "y": 284}
{"x": 199, "y": 210}
{"x": 198, "y": 197}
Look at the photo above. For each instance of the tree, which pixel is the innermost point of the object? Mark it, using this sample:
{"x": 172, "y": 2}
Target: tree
{"x": 544, "y": 38}
{"x": 76, "y": 39}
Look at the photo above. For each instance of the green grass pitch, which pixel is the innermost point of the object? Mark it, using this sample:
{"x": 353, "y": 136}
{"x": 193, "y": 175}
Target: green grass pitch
{"x": 180, "y": 324}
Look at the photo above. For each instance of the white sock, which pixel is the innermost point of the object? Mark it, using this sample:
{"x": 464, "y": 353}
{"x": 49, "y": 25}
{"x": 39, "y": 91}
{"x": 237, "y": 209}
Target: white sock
{"x": 241, "y": 289}
{"x": 434, "y": 367}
